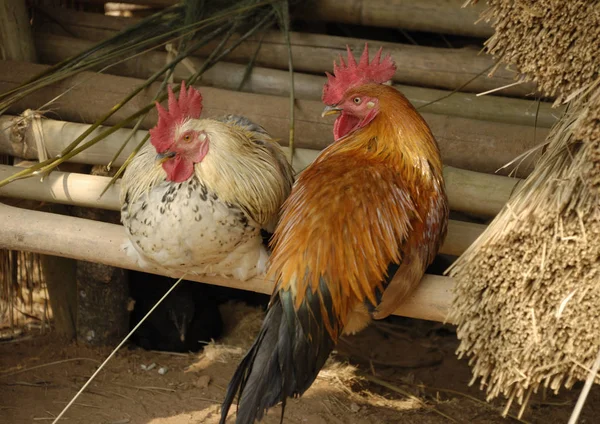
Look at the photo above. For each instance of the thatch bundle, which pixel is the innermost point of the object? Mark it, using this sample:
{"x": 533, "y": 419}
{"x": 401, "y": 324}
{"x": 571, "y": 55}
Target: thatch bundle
{"x": 550, "y": 42}
{"x": 528, "y": 289}
{"x": 589, "y": 132}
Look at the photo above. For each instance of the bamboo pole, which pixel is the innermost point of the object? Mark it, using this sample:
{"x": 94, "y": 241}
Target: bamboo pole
{"x": 85, "y": 190}
{"x": 55, "y": 48}
{"x": 422, "y": 66}
{"x": 101, "y": 242}
{"x": 154, "y": 3}
{"x": 466, "y": 189}
{"x": 16, "y": 39}
{"x": 63, "y": 187}
{"x": 464, "y": 143}
{"x": 87, "y": 25}
{"x": 439, "y": 16}
{"x": 442, "y": 16}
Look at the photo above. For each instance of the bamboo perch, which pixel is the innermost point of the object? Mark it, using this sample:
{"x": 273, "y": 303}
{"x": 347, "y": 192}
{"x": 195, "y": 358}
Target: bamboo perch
{"x": 64, "y": 188}
{"x": 464, "y": 143}
{"x": 55, "y": 48}
{"x": 442, "y": 16}
{"x": 468, "y": 191}
{"x": 85, "y": 190}
{"x": 422, "y": 66}
{"x": 100, "y": 242}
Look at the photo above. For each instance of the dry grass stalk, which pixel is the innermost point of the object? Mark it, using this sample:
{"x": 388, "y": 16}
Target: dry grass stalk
{"x": 406, "y": 393}
{"x": 586, "y": 390}
{"x": 22, "y": 289}
{"x": 528, "y": 289}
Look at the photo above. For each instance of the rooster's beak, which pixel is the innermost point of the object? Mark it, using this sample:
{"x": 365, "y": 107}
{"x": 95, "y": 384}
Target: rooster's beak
{"x": 165, "y": 156}
{"x": 330, "y": 110}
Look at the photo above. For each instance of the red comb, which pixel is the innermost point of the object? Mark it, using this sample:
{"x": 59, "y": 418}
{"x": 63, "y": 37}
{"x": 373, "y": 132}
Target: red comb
{"x": 353, "y": 74}
{"x": 188, "y": 106}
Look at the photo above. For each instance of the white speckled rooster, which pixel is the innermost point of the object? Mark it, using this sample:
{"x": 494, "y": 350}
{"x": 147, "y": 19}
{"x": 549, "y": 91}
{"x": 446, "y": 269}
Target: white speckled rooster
{"x": 196, "y": 198}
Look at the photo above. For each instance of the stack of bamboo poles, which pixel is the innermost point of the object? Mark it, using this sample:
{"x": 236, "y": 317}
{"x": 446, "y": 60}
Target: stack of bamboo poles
{"x": 477, "y": 135}
{"x": 81, "y": 239}
{"x": 422, "y": 66}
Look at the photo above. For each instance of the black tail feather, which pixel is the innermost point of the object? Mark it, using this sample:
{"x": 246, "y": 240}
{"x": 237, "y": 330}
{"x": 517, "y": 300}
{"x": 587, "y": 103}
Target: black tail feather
{"x": 283, "y": 361}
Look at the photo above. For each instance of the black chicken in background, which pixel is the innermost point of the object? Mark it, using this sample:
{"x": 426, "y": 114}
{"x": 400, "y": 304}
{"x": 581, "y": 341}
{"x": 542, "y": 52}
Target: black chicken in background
{"x": 184, "y": 322}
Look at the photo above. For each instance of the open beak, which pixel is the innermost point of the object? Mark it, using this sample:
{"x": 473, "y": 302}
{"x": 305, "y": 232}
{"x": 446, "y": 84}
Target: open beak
{"x": 164, "y": 156}
{"x": 330, "y": 110}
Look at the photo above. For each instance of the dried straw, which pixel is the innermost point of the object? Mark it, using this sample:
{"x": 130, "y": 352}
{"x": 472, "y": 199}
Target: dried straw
{"x": 553, "y": 43}
{"x": 528, "y": 289}
{"x": 241, "y": 324}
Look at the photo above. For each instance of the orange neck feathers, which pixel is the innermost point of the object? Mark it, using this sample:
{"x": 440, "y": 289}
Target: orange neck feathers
{"x": 398, "y": 134}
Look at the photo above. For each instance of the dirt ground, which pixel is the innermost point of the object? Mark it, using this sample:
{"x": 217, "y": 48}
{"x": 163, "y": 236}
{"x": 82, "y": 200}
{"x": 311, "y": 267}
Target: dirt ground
{"x": 414, "y": 359}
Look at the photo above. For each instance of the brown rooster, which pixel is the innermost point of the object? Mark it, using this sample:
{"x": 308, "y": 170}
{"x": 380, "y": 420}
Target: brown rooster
{"x": 371, "y": 207}
{"x": 197, "y": 197}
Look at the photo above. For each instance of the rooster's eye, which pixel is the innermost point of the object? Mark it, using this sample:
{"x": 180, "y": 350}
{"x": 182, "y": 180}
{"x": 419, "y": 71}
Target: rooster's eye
{"x": 187, "y": 138}
{"x": 356, "y": 100}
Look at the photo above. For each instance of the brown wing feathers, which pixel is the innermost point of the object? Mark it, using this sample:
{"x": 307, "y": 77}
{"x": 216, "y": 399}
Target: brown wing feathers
{"x": 332, "y": 232}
